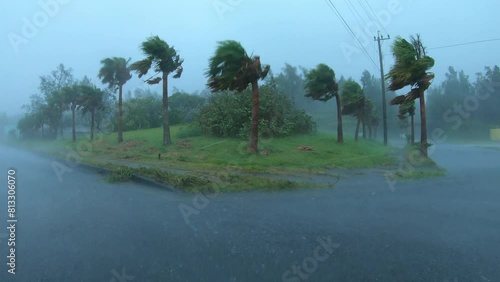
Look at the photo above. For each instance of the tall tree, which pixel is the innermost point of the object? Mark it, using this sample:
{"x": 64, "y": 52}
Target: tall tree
{"x": 91, "y": 100}
{"x": 49, "y": 87}
{"x": 321, "y": 86}
{"x": 115, "y": 72}
{"x": 411, "y": 69}
{"x": 231, "y": 68}
{"x": 163, "y": 59}
{"x": 356, "y": 104}
{"x": 71, "y": 96}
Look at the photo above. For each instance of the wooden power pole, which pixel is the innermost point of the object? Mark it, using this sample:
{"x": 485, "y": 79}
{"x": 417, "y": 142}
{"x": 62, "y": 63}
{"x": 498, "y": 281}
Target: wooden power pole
{"x": 382, "y": 79}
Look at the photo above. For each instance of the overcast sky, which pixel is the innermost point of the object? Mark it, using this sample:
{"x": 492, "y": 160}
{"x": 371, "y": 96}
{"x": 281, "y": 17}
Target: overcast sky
{"x": 36, "y": 37}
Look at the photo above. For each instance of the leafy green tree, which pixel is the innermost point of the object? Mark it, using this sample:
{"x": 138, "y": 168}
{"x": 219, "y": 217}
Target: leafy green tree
{"x": 91, "y": 100}
{"x": 411, "y": 69}
{"x": 162, "y": 58}
{"x": 356, "y": 104}
{"x": 115, "y": 72}
{"x": 144, "y": 111}
{"x": 49, "y": 87}
{"x": 184, "y": 106}
{"x": 71, "y": 95}
{"x": 230, "y": 68}
{"x": 321, "y": 85}
{"x": 228, "y": 115}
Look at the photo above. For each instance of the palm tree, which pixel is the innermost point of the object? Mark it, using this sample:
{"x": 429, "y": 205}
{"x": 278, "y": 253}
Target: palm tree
{"x": 115, "y": 73}
{"x": 230, "y": 68}
{"x": 356, "y": 104}
{"x": 322, "y": 86}
{"x": 90, "y": 102}
{"x": 165, "y": 60}
{"x": 411, "y": 69}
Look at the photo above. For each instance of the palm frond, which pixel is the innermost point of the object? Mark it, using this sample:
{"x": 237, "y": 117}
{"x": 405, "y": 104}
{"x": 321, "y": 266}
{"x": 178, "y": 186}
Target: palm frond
{"x": 141, "y": 67}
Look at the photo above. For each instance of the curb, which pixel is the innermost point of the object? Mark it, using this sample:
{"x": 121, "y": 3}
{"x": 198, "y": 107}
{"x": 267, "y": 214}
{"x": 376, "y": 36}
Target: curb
{"x": 101, "y": 170}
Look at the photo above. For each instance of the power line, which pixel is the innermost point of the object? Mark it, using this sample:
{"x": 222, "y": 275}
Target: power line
{"x": 349, "y": 4}
{"x": 375, "y": 16}
{"x": 465, "y": 43}
{"x": 339, "y": 15}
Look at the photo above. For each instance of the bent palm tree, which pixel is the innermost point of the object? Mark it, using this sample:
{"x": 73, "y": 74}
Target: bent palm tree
{"x": 230, "y": 68}
{"x": 115, "y": 73}
{"x": 411, "y": 69}
{"x": 162, "y": 59}
{"x": 321, "y": 86}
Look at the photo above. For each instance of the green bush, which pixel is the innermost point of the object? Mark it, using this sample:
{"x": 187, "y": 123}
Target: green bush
{"x": 120, "y": 174}
{"x": 228, "y": 114}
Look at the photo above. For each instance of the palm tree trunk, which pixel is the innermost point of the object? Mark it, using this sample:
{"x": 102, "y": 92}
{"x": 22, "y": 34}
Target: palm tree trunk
{"x": 92, "y": 118}
{"x": 412, "y": 133}
{"x": 423, "y": 128}
{"x": 120, "y": 114}
{"x": 357, "y": 130}
{"x": 73, "y": 113}
{"x": 166, "y": 126}
{"x": 340, "y": 130}
{"x": 254, "y": 131}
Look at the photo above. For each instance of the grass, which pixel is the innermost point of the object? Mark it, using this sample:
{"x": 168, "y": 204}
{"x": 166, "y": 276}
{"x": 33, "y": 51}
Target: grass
{"x": 225, "y": 159}
{"x": 414, "y": 166}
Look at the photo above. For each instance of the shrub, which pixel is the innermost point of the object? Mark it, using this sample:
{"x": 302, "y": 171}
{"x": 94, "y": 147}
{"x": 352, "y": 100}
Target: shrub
{"x": 228, "y": 114}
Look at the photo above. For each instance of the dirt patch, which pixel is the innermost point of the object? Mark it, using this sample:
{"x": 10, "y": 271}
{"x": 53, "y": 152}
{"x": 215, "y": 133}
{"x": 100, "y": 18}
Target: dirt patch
{"x": 305, "y": 148}
{"x": 130, "y": 144}
{"x": 183, "y": 144}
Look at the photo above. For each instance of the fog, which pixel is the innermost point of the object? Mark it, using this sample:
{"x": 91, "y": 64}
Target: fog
{"x": 39, "y": 35}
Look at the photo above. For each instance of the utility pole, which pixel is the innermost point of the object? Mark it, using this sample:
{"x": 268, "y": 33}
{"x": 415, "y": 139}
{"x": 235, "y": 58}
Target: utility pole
{"x": 382, "y": 79}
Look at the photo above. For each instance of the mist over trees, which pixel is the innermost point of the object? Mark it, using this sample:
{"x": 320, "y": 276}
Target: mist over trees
{"x": 247, "y": 99}
{"x": 464, "y": 106}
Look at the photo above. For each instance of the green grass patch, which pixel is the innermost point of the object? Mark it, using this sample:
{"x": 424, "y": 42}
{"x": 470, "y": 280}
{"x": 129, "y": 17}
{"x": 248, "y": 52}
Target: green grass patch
{"x": 419, "y": 174}
{"x": 205, "y": 157}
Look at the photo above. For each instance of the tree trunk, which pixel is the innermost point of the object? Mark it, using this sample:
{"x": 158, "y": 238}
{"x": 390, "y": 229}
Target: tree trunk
{"x": 61, "y": 122}
{"x": 73, "y": 113}
{"x": 166, "y": 126}
{"x": 340, "y": 130}
{"x": 120, "y": 114}
{"x": 423, "y": 128}
{"x": 92, "y": 119}
{"x": 370, "y": 132}
{"x": 357, "y": 130}
{"x": 254, "y": 131}
{"x": 363, "y": 127}
{"x": 412, "y": 133}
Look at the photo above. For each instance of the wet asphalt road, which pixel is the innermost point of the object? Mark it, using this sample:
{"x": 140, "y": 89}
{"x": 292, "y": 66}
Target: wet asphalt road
{"x": 84, "y": 229}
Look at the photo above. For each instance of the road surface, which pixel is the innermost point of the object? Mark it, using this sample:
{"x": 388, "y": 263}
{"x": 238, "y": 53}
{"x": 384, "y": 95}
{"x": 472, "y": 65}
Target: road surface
{"x": 80, "y": 228}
